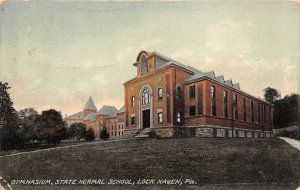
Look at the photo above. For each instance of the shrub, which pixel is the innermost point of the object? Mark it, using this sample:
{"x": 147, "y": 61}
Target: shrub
{"x": 90, "y": 135}
{"x": 104, "y": 134}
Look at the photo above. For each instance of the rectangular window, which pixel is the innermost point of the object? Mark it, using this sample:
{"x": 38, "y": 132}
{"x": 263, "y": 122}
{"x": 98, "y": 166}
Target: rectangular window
{"x": 244, "y": 109}
{"x": 258, "y": 112}
{"x": 225, "y": 107}
{"x": 160, "y": 117}
{"x": 252, "y": 112}
{"x": 200, "y": 99}
{"x": 192, "y": 110}
{"x": 264, "y": 114}
{"x": 178, "y": 117}
{"x": 213, "y": 101}
{"x": 192, "y": 92}
{"x": 235, "y": 107}
{"x": 159, "y": 94}
{"x": 132, "y": 121}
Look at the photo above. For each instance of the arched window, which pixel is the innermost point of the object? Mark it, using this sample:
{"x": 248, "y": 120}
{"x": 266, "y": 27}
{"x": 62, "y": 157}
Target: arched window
{"x": 146, "y": 96}
{"x": 159, "y": 94}
{"x": 144, "y": 63}
{"x": 132, "y": 101}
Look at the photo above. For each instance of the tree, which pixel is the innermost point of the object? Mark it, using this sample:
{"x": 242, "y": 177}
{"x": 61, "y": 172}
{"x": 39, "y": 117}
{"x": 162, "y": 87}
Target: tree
{"x": 271, "y": 94}
{"x": 90, "y": 135}
{"x": 49, "y": 126}
{"x": 77, "y": 130}
{"x": 104, "y": 133}
{"x": 286, "y": 111}
{"x": 27, "y": 118}
{"x": 10, "y": 136}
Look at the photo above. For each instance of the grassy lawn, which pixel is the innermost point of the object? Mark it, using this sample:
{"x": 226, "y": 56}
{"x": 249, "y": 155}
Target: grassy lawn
{"x": 205, "y": 160}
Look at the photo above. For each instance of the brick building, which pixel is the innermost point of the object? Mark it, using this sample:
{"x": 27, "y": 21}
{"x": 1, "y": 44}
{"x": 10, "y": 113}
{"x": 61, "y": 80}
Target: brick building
{"x": 167, "y": 96}
{"x": 107, "y": 116}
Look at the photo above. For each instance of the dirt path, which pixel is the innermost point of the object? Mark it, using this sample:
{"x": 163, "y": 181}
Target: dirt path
{"x": 293, "y": 142}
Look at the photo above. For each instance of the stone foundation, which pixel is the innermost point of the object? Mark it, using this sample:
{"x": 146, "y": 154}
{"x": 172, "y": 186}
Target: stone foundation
{"x": 129, "y": 133}
{"x": 203, "y": 131}
{"x": 164, "y": 132}
{"x": 216, "y": 131}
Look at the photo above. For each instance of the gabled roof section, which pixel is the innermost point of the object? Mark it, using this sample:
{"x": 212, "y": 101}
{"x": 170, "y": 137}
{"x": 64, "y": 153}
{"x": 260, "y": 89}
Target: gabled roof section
{"x": 110, "y": 111}
{"x": 220, "y": 78}
{"x": 122, "y": 110}
{"x": 195, "y": 76}
{"x": 236, "y": 86}
{"x": 90, "y": 105}
{"x": 90, "y": 117}
{"x": 229, "y": 82}
{"x": 78, "y": 115}
{"x": 210, "y": 74}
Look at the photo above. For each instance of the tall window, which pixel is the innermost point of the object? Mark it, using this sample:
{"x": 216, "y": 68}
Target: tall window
{"x": 178, "y": 92}
{"x": 146, "y": 96}
{"x": 235, "y": 107}
{"x": 192, "y": 110}
{"x": 252, "y": 111}
{"x": 192, "y": 92}
{"x": 159, "y": 94}
{"x": 225, "y": 107}
{"x": 132, "y": 101}
{"x": 258, "y": 112}
{"x": 244, "y": 109}
{"x": 132, "y": 121}
{"x": 160, "y": 117}
{"x": 213, "y": 101}
{"x": 144, "y": 64}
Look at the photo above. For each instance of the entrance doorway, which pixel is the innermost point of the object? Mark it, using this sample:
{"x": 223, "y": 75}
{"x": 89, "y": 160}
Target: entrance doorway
{"x": 146, "y": 118}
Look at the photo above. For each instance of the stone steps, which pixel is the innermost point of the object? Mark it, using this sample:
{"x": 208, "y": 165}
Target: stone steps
{"x": 143, "y": 133}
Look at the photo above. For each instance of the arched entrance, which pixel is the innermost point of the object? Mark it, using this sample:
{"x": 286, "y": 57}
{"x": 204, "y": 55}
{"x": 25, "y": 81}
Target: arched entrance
{"x": 145, "y": 107}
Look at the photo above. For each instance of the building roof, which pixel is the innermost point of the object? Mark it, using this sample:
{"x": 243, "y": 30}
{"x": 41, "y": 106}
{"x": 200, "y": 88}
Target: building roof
{"x": 90, "y": 105}
{"x": 220, "y": 78}
{"x": 91, "y": 116}
{"x": 196, "y": 74}
{"x": 78, "y": 115}
{"x": 236, "y": 86}
{"x": 110, "y": 111}
{"x": 122, "y": 110}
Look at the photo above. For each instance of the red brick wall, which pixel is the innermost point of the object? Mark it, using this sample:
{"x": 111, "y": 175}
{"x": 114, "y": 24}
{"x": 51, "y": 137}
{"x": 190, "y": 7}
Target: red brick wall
{"x": 167, "y": 79}
{"x": 219, "y": 120}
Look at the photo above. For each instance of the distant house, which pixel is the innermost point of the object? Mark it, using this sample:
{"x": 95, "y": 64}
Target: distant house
{"x": 107, "y": 116}
{"x": 166, "y": 94}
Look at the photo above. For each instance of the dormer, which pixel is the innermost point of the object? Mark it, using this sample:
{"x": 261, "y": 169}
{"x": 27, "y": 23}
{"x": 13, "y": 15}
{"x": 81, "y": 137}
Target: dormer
{"x": 145, "y": 63}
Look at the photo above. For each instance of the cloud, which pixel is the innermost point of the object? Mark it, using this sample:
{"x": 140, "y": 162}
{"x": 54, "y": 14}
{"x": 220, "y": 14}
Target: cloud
{"x": 184, "y": 55}
{"x": 230, "y": 36}
{"x": 2, "y": 2}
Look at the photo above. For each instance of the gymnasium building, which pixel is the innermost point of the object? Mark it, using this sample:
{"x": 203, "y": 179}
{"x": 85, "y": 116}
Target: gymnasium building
{"x": 175, "y": 99}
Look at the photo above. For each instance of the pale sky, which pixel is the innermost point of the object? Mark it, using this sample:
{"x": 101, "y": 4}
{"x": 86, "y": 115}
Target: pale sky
{"x": 57, "y": 54}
